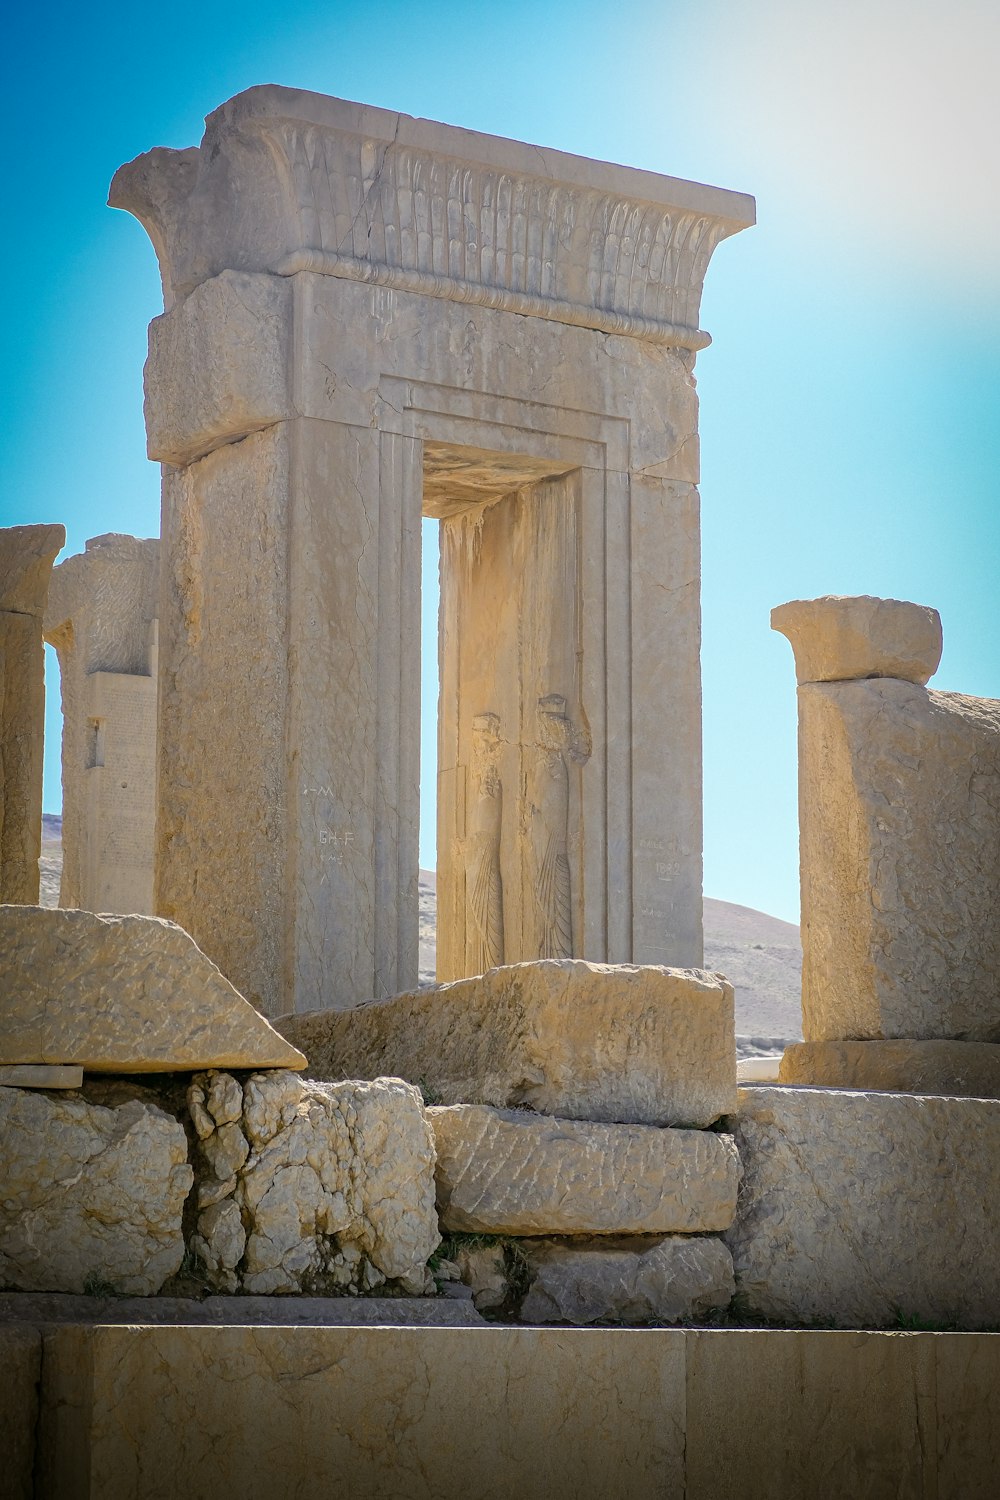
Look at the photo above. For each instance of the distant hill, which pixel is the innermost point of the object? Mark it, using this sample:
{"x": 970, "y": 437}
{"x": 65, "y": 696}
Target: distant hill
{"x": 760, "y": 955}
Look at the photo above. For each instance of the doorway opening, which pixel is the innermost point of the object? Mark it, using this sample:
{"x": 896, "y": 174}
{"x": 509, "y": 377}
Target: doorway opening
{"x": 510, "y": 736}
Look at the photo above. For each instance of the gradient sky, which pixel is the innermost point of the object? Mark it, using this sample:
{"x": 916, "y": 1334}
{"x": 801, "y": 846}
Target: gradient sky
{"x": 850, "y": 434}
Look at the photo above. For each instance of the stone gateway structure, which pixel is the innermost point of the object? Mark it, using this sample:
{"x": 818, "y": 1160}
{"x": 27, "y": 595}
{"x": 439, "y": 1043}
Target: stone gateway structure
{"x": 370, "y": 319}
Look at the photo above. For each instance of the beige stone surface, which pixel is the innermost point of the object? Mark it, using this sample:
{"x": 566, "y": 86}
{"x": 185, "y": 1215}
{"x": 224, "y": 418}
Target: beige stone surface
{"x": 639, "y": 1045}
{"x": 511, "y": 1172}
{"x": 308, "y": 1186}
{"x": 379, "y": 318}
{"x": 681, "y": 1278}
{"x": 414, "y": 1412}
{"x": 101, "y": 617}
{"x": 779, "y": 1416}
{"x": 966, "y": 1069}
{"x": 122, "y": 995}
{"x": 840, "y": 638}
{"x": 899, "y": 818}
{"x": 202, "y": 389}
{"x": 865, "y": 1209}
{"x": 89, "y": 1195}
{"x": 21, "y": 1363}
{"x": 26, "y": 557}
{"x": 40, "y": 1076}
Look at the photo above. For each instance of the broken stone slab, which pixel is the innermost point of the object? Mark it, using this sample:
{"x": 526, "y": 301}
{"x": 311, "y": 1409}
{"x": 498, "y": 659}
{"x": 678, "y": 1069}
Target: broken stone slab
{"x": 89, "y": 1197}
{"x": 609, "y": 1042}
{"x": 323, "y": 1312}
{"x": 968, "y": 1070}
{"x": 673, "y": 1280}
{"x": 865, "y": 1209}
{"x": 513, "y": 1172}
{"x": 125, "y": 994}
{"x": 842, "y": 638}
{"x": 307, "y": 1186}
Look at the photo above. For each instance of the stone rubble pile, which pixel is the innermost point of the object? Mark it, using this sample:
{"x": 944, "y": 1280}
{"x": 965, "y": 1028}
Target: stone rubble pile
{"x": 602, "y": 1197}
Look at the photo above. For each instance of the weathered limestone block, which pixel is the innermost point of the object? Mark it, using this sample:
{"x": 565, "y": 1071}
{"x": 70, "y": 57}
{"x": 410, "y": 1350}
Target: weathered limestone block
{"x": 312, "y": 1186}
{"x": 26, "y": 557}
{"x": 511, "y": 1172}
{"x": 861, "y": 1209}
{"x": 840, "y": 638}
{"x": 672, "y": 1280}
{"x": 101, "y": 617}
{"x": 122, "y": 995}
{"x": 89, "y": 1195}
{"x": 899, "y": 819}
{"x": 641, "y": 1045}
{"x": 969, "y": 1070}
{"x": 219, "y": 367}
{"x": 408, "y": 1413}
{"x": 21, "y": 1363}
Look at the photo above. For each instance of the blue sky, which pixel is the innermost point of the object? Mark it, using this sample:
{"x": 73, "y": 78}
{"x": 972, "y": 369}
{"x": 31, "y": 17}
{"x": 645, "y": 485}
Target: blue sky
{"x": 850, "y": 432}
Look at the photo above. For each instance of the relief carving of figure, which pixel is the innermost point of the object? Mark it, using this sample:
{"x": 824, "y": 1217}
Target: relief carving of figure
{"x": 559, "y": 742}
{"x": 483, "y": 881}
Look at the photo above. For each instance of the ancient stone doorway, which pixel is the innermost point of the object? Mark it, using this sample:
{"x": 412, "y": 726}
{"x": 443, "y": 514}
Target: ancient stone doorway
{"x": 512, "y": 733}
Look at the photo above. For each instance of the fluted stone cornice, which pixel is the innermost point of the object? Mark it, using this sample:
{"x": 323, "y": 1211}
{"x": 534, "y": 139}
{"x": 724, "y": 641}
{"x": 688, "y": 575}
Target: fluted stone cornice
{"x": 286, "y": 181}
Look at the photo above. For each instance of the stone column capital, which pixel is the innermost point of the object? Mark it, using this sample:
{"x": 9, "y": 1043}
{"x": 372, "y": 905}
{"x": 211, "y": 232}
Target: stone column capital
{"x": 840, "y": 638}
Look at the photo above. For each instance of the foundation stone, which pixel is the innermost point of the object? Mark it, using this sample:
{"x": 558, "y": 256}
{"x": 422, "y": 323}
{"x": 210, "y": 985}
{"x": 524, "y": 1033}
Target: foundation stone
{"x": 833, "y": 1226}
{"x": 101, "y": 617}
{"x": 581, "y": 1041}
{"x": 511, "y": 1172}
{"x": 26, "y": 557}
{"x": 125, "y": 994}
{"x": 89, "y": 1197}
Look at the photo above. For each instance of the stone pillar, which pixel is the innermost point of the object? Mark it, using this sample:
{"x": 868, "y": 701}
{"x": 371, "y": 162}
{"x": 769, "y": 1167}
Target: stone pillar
{"x": 26, "y": 557}
{"x": 369, "y": 319}
{"x": 102, "y": 619}
{"x": 899, "y": 829}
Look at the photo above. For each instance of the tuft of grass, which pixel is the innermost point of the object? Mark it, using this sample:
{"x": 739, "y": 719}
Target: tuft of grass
{"x": 428, "y": 1092}
{"x": 96, "y": 1286}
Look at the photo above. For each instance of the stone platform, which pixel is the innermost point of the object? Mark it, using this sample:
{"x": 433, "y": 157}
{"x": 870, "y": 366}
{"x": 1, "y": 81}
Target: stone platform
{"x": 457, "y": 1413}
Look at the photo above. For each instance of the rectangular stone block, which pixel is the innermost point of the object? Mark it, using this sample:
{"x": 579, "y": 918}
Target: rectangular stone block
{"x": 899, "y": 816}
{"x": 639, "y": 1045}
{"x": 21, "y": 1367}
{"x": 679, "y": 1279}
{"x": 40, "y": 1076}
{"x": 780, "y": 1416}
{"x": 969, "y": 1070}
{"x": 124, "y": 994}
{"x": 414, "y": 1412}
{"x": 513, "y": 1172}
{"x": 867, "y": 1210}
